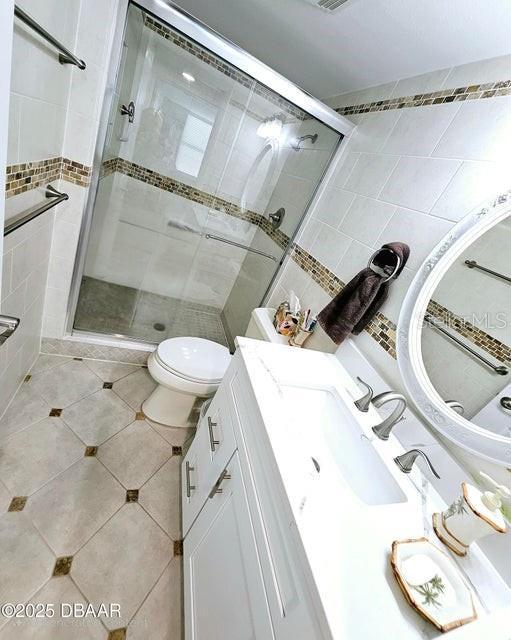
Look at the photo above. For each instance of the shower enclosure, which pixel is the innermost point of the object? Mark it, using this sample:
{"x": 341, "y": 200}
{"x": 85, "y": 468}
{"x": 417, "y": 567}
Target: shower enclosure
{"x": 204, "y": 176}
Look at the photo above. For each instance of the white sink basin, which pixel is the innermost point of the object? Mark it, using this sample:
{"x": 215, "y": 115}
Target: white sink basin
{"x": 333, "y": 437}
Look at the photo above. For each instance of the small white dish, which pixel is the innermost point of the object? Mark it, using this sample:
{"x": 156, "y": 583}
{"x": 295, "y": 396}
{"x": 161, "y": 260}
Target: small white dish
{"x": 432, "y": 584}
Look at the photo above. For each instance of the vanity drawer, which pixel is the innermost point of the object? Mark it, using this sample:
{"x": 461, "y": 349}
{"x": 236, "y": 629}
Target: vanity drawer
{"x": 213, "y": 446}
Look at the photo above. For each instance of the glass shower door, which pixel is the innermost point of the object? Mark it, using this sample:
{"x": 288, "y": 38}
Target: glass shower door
{"x": 198, "y": 157}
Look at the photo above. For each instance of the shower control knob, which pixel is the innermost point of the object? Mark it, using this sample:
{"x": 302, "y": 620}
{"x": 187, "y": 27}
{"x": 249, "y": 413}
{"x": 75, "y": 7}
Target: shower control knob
{"x": 505, "y": 402}
{"x": 277, "y": 218}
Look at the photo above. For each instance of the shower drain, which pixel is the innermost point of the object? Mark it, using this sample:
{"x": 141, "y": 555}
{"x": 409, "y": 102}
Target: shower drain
{"x": 159, "y": 326}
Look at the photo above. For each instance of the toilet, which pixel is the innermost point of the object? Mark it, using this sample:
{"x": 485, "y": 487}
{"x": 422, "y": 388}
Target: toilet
{"x": 190, "y": 368}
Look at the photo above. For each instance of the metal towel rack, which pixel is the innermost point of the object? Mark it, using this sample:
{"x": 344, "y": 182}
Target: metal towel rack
{"x": 500, "y": 369}
{"x": 472, "y": 264}
{"x": 65, "y": 56}
{"x": 54, "y": 198}
{"x": 209, "y": 236}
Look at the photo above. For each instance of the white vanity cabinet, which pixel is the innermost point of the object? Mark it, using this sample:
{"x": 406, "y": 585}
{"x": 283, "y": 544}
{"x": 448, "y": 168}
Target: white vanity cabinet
{"x": 241, "y": 579}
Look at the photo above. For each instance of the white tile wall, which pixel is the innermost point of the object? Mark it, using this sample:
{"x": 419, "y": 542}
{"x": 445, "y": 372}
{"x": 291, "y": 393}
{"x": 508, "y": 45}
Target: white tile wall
{"x": 25, "y": 267}
{"x": 54, "y": 112}
{"x": 409, "y": 174}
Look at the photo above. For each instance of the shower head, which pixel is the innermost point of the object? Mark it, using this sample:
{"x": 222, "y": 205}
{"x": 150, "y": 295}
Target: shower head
{"x": 298, "y": 142}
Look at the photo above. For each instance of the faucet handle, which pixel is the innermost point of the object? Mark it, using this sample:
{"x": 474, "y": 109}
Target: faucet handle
{"x": 364, "y": 402}
{"x": 406, "y": 460}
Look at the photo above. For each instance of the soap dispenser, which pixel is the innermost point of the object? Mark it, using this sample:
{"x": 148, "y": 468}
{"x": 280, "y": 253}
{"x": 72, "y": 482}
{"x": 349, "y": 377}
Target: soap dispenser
{"x": 473, "y": 515}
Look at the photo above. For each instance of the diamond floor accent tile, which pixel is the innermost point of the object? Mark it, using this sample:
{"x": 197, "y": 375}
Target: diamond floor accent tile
{"x": 27, "y": 407}
{"x": 122, "y": 562}
{"x": 74, "y": 506}
{"x": 58, "y": 592}
{"x": 108, "y": 385}
{"x": 117, "y": 634}
{"x": 90, "y": 451}
{"x": 159, "y": 618}
{"x": 27, "y": 562}
{"x": 62, "y": 566}
{"x": 134, "y": 454}
{"x": 178, "y": 547}
{"x": 67, "y": 384}
{"x": 98, "y": 417}
{"x": 18, "y": 503}
{"x": 135, "y": 388}
{"x": 132, "y": 495}
{"x": 161, "y": 497}
{"x": 32, "y": 457}
{"x": 55, "y": 413}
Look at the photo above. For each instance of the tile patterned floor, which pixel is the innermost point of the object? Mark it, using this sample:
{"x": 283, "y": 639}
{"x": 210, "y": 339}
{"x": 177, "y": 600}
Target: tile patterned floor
{"x": 104, "y": 307}
{"x": 90, "y": 504}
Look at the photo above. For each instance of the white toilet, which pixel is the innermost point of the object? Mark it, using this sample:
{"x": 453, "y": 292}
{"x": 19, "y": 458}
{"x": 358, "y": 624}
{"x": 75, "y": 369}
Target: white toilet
{"x": 190, "y": 368}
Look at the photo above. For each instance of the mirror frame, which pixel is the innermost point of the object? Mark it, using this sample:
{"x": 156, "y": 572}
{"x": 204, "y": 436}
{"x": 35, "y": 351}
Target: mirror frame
{"x": 446, "y": 421}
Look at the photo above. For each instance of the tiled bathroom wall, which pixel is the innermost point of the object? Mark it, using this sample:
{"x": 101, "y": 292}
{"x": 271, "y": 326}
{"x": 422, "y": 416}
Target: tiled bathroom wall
{"x": 426, "y": 151}
{"x": 53, "y": 120}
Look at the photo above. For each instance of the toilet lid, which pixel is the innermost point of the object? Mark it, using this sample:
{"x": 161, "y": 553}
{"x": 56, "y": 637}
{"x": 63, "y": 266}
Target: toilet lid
{"x": 194, "y": 358}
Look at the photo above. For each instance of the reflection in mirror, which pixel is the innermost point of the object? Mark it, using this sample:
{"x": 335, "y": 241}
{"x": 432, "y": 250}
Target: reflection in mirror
{"x": 466, "y": 334}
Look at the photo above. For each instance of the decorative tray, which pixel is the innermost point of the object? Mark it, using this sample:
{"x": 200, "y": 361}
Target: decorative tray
{"x": 432, "y": 584}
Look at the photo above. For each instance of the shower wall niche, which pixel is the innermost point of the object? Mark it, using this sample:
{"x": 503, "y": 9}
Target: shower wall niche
{"x": 197, "y": 157}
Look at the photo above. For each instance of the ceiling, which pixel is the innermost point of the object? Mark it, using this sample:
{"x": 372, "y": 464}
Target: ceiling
{"x": 365, "y": 43}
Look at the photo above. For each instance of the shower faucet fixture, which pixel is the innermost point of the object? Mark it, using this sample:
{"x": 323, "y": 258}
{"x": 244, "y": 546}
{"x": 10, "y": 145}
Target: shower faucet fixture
{"x": 296, "y": 145}
{"x": 129, "y": 111}
{"x": 277, "y": 218}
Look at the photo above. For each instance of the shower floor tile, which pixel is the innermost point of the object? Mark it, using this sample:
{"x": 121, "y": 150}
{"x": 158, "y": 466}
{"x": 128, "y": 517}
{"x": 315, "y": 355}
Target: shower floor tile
{"x": 97, "y": 497}
{"x": 104, "y": 307}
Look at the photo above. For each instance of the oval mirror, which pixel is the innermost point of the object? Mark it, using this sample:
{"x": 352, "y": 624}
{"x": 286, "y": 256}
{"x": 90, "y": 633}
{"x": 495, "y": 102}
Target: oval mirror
{"x": 454, "y": 334}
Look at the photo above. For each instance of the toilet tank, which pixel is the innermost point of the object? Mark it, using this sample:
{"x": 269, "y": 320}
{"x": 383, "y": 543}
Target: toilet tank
{"x": 261, "y": 326}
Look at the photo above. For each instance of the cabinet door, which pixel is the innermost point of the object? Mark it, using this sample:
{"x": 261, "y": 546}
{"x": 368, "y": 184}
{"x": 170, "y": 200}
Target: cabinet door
{"x": 224, "y": 592}
{"x": 195, "y": 481}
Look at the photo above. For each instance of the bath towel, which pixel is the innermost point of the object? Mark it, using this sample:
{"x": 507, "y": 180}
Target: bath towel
{"x": 356, "y": 305}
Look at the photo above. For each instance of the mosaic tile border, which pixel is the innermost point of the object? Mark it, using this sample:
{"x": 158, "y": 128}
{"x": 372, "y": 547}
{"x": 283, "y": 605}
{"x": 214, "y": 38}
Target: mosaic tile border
{"x": 160, "y": 181}
{"x": 30, "y": 175}
{"x": 499, "y": 350}
{"x": 458, "y": 94}
{"x": 227, "y": 69}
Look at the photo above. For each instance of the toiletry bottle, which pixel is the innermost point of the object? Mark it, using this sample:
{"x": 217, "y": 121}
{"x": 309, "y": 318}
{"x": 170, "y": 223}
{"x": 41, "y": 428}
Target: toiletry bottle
{"x": 473, "y": 515}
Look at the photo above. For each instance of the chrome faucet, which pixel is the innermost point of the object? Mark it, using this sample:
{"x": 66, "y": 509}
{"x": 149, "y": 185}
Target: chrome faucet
{"x": 383, "y": 429}
{"x": 364, "y": 402}
{"x": 406, "y": 460}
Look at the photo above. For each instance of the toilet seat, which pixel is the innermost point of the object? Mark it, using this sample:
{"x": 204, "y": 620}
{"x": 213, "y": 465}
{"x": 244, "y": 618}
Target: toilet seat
{"x": 196, "y": 360}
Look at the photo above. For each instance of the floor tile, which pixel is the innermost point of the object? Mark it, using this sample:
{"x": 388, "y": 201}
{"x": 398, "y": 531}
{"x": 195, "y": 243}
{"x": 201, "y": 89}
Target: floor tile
{"x": 135, "y": 388}
{"x": 56, "y": 592}
{"x": 122, "y": 562}
{"x": 161, "y": 497}
{"x": 27, "y": 562}
{"x": 61, "y": 386}
{"x": 71, "y": 508}
{"x": 134, "y": 454}
{"x": 27, "y": 407}
{"x": 159, "y": 618}
{"x": 47, "y": 361}
{"x": 110, "y": 371}
{"x": 173, "y": 435}
{"x": 5, "y": 498}
{"x": 32, "y": 457}
{"x": 98, "y": 416}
